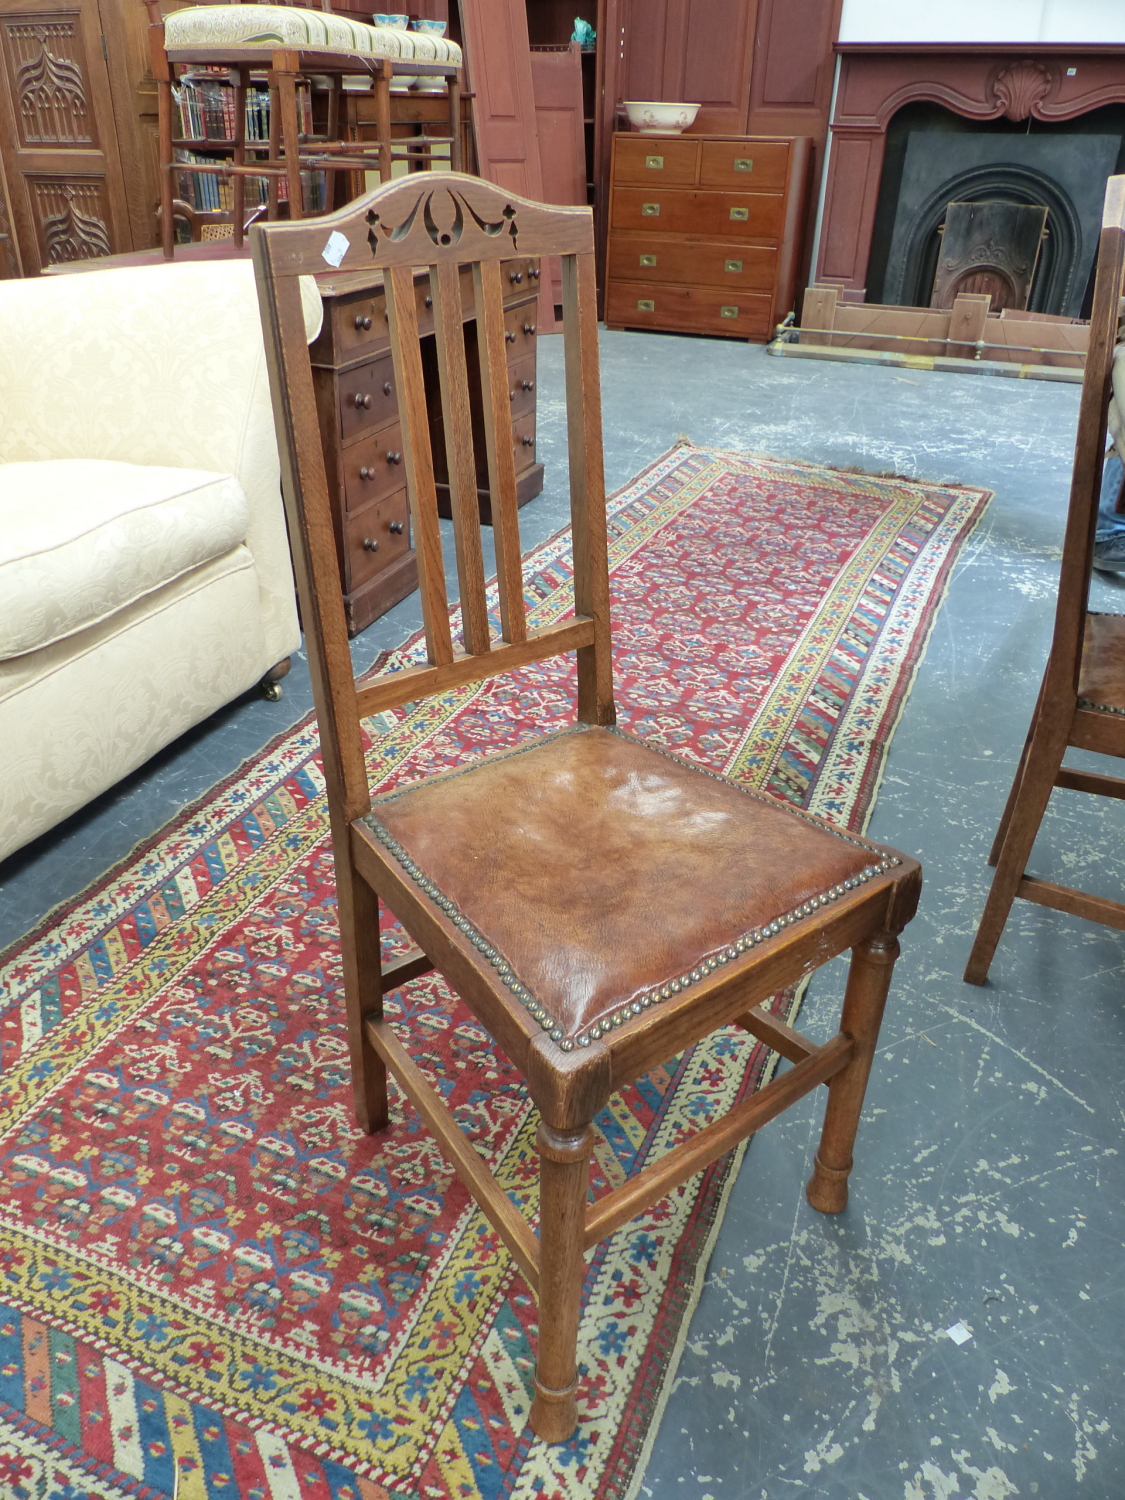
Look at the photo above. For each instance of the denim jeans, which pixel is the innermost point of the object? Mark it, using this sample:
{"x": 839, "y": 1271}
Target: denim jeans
{"x": 1110, "y": 524}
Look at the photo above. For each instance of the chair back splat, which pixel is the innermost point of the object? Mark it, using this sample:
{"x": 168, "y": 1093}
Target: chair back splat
{"x": 596, "y": 903}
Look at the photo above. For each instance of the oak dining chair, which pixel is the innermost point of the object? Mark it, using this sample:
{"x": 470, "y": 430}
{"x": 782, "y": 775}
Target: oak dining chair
{"x": 596, "y": 902}
{"x": 1082, "y": 697}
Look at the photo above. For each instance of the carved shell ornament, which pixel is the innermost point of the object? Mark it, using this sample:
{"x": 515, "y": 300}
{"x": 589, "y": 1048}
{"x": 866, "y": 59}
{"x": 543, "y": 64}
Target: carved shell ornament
{"x": 451, "y": 208}
{"x": 1021, "y": 87}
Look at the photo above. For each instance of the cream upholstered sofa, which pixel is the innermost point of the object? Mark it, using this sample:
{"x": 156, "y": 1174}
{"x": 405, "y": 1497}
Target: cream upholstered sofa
{"x": 145, "y": 577}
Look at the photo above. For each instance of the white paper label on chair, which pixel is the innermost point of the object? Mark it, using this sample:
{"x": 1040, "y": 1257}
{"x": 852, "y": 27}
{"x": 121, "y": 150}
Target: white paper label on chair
{"x": 336, "y": 248}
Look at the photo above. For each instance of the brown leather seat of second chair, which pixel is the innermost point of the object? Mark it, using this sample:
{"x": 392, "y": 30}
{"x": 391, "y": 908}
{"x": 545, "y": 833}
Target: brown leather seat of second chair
{"x": 1101, "y": 681}
{"x": 665, "y": 874}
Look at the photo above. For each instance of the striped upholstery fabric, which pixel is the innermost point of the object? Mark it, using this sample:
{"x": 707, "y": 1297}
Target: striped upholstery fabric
{"x": 269, "y": 26}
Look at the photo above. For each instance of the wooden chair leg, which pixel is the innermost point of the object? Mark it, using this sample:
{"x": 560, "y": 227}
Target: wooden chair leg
{"x": 164, "y": 132}
{"x": 1044, "y": 757}
{"x": 291, "y": 141}
{"x": 455, "y": 160}
{"x": 383, "y": 118}
{"x": 869, "y": 979}
{"x": 363, "y": 991}
{"x": 1006, "y": 815}
{"x": 564, "y": 1171}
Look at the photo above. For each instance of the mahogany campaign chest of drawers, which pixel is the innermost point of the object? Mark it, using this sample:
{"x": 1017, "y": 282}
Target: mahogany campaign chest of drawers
{"x": 705, "y": 232}
{"x": 357, "y": 405}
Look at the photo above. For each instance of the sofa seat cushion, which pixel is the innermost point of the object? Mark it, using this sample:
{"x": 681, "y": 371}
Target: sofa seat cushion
{"x": 83, "y": 538}
{"x": 269, "y": 26}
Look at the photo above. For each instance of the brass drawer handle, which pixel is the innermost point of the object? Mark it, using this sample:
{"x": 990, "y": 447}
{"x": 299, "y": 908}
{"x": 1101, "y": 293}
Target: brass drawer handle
{"x": 650, "y": 210}
{"x": 740, "y": 214}
{"x": 744, "y": 164}
{"x": 728, "y": 312}
{"x": 734, "y": 266}
{"x": 645, "y": 304}
{"x": 655, "y": 163}
{"x": 648, "y": 260}
{"x": 395, "y": 527}
{"x": 362, "y": 324}
{"x": 370, "y": 544}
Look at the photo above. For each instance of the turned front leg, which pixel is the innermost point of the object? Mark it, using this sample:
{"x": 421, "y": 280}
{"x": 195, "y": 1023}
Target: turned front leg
{"x": 564, "y": 1171}
{"x": 869, "y": 979}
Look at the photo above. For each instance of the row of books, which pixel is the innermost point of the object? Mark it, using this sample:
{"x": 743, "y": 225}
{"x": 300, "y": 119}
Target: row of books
{"x": 206, "y": 110}
{"x": 207, "y": 192}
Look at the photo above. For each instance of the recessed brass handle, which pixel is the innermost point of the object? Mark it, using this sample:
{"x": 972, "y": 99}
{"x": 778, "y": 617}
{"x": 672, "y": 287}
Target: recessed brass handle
{"x": 655, "y": 163}
{"x": 648, "y": 260}
{"x": 740, "y": 214}
{"x": 744, "y": 164}
{"x": 645, "y": 304}
{"x": 734, "y": 266}
{"x": 728, "y": 312}
{"x": 395, "y": 527}
{"x": 370, "y": 544}
{"x": 650, "y": 210}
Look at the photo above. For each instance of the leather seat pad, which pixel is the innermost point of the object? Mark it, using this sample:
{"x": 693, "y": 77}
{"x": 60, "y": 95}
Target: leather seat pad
{"x": 601, "y": 868}
{"x": 1101, "y": 681}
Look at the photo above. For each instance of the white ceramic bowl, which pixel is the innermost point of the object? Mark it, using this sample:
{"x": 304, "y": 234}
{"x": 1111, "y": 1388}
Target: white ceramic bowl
{"x": 654, "y": 118}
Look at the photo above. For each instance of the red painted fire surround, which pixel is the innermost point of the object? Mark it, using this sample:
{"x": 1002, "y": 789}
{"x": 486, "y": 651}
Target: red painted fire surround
{"x": 979, "y": 81}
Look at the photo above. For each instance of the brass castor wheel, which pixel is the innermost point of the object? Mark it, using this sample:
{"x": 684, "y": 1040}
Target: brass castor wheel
{"x": 270, "y": 685}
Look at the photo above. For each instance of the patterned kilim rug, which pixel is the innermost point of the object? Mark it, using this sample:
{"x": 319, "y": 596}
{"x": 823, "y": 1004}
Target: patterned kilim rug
{"x": 212, "y": 1286}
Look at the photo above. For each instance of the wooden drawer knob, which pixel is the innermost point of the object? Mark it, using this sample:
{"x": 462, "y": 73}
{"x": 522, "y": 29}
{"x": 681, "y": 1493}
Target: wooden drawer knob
{"x": 366, "y": 473}
{"x": 395, "y": 527}
{"x": 362, "y": 402}
{"x": 516, "y": 276}
{"x": 394, "y": 458}
{"x": 533, "y": 275}
{"x": 362, "y": 324}
{"x": 387, "y": 387}
{"x": 370, "y": 544}
{"x": 429, "y": 302}
{"x": 529, "y": 329}
{"x": 529, "y": 442}
{"x": 510, "y": 336}
{"x": 528, "y": 385}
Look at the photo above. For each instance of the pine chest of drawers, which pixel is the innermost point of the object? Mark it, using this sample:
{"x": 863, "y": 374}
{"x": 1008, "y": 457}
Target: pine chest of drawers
{"x": 357, "y": 406}
{"x": 705, "y": 232}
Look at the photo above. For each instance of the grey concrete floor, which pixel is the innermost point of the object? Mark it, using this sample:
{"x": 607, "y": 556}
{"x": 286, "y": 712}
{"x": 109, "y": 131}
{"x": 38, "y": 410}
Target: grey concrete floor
{"x": 989, "y": 1186}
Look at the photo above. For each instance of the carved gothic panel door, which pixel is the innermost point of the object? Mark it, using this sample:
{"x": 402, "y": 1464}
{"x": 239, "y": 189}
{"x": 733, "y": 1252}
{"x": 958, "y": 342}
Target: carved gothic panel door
{"x": 58, "y": 135}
